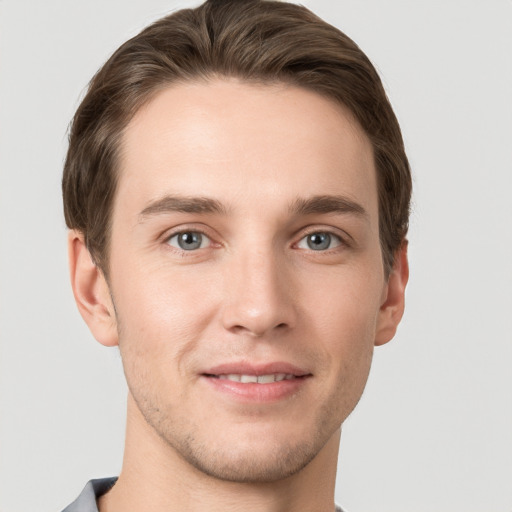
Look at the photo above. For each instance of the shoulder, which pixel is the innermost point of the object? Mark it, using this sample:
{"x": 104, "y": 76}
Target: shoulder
{"x": 86, "y": 502}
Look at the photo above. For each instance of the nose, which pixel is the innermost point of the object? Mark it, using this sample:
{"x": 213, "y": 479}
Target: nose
{"x": 259, "y": 296}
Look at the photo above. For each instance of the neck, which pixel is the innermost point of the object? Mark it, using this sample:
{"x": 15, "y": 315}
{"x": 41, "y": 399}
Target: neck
{"x": 154, "y": 478}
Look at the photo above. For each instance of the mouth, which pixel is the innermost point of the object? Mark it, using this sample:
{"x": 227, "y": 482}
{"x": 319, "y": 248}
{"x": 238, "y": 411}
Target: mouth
{"x": 257, "y": 383}
{"x": 256, "y": 379}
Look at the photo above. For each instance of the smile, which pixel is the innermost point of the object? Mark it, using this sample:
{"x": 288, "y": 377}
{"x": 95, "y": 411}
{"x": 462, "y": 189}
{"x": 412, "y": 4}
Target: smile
{"x": 259, "y": 379}
{"x": 257, "y": 383}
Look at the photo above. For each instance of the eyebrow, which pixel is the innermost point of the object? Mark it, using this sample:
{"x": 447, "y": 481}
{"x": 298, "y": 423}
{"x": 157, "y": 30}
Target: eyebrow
{"x": 327, "y": 204}
{"x": 181, "y": 204}
{"x": 205, "y": 205}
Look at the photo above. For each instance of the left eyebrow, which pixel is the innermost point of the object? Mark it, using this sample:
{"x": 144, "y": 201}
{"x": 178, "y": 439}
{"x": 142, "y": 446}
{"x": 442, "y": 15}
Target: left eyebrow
{"x": 328, "y": 204}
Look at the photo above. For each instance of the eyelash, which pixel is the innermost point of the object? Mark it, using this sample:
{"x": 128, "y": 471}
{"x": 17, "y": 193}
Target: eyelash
{"x": 341, "y": 241}
{"x": 172, "y": 235}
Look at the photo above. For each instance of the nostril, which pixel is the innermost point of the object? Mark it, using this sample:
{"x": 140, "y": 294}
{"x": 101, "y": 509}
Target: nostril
{"x": 245, "y": 315}
{"x": 257, "y": 330}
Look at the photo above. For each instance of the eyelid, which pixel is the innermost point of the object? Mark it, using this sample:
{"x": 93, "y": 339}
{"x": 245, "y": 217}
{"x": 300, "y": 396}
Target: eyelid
{"x": 204, "y": 239}
{"x": 177, "y": 230}
{"x": 339, "y": 243}
{"x": 344, "y": 238}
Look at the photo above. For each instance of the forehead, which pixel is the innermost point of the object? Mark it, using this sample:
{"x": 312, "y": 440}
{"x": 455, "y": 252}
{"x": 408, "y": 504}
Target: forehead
{"x": 235, "y": 141}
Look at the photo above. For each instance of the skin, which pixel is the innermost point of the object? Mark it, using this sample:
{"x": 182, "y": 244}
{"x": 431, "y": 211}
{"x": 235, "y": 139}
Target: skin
{"x": 254, "y": 292}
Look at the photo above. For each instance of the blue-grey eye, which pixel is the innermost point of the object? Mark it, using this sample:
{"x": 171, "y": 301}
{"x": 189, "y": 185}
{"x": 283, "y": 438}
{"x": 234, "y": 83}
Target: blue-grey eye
{"x": 189, "y": 240}
{"x": 320, "y": 241}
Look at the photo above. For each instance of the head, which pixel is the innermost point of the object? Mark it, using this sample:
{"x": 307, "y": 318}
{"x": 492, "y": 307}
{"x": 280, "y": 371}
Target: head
{"x": 257, "y": 42}
{"x": 237, "y": 193}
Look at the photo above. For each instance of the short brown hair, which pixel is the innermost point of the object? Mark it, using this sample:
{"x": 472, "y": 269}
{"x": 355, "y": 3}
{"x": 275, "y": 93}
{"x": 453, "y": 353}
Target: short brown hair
{"x": 252, "y": 40}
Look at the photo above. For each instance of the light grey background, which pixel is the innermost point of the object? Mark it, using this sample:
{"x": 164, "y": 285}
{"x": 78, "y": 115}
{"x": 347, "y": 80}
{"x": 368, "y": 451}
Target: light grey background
{"x": 433, "y": 432}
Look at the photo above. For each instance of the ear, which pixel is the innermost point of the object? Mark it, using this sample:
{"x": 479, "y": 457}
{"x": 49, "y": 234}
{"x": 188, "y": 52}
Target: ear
{"x": 393, "y": 302}
{"x": 91, "y": 291}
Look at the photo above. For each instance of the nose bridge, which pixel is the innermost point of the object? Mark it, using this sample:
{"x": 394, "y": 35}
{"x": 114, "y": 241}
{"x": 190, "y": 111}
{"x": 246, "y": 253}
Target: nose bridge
{"x": 259, "y": 286}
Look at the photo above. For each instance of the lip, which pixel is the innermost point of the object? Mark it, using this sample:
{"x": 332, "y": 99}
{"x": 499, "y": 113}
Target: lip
{"x": 255, "y": 392}
{"x": 246, "y": 368}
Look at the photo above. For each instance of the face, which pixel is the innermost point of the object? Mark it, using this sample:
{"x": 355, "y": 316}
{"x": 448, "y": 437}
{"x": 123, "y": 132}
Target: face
{"x": 246, "y": 273}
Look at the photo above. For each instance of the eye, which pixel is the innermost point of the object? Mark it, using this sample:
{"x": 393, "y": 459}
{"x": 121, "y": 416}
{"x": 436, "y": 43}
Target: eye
{"x": 189, "y": 240}
{"x": 319, "y": 241}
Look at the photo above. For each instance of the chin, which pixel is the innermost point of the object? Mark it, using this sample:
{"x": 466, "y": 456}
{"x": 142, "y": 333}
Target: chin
{"x": 250, "y": 453}
{"x": 250, "y": 464}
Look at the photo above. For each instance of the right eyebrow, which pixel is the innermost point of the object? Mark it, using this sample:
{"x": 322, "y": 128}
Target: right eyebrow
{"x": 182, "y": 204}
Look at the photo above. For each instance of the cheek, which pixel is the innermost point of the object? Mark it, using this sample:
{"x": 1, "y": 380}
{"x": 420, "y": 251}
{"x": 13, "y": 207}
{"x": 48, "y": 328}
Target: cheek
{"x": 346, "y": 322}
{"x": 155, "y": 296}
{"x": 349, "y": 342}
{"x": 346, "y": 301}
{"x": 160, "y": 319}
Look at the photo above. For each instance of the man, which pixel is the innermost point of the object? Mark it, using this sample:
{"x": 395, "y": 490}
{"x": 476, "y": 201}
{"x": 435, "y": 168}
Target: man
{"x": 237, "y": 194}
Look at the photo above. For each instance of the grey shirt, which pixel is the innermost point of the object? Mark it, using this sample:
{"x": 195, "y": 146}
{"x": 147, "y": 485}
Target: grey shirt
{"x": 86, "y": 502}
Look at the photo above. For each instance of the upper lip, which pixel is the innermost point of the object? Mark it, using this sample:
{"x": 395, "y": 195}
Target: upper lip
{"x": 246, "y": 368}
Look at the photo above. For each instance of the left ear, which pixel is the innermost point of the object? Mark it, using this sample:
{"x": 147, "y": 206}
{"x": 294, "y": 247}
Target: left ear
{"x": 393, "y": 304}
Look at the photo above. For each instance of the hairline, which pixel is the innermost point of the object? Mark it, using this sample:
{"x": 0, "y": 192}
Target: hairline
{"x": 206, "y": 79}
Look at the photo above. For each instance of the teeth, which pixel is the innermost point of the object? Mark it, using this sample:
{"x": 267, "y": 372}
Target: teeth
{"x": 260, "y": 379}
{"x": 248, "y": 378}
{"x": 265, "y": 379}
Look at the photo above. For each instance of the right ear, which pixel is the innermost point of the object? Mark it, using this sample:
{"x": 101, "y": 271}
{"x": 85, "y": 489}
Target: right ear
{"x": 91, "y": 291}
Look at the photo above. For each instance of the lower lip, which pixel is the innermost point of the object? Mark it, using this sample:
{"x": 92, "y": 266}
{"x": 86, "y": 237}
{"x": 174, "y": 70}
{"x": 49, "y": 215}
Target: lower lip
{"x": 254, "y": 392}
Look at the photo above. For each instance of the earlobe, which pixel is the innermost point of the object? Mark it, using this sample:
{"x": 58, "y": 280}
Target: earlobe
{"x": 91, "y": 291}
{"x": 392, "y": 307}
